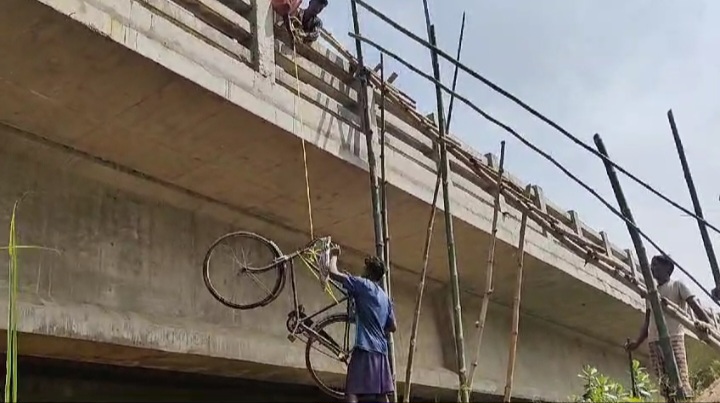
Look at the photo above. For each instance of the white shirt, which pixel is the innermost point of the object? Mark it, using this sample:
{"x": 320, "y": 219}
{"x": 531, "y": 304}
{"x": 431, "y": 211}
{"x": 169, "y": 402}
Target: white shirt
{"x": 677, "y": 293}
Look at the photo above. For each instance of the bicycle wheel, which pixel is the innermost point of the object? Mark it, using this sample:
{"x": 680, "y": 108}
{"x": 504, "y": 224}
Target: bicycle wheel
{"x": 240, "y": 254}
{"x": 327, "y": 353}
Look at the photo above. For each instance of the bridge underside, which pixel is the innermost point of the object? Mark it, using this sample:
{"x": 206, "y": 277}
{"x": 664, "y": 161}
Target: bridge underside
{"x": 82, "y": 105}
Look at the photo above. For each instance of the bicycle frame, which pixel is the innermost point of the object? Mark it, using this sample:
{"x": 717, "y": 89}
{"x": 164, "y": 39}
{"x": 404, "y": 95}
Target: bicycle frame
{"x": 303, "y": 323}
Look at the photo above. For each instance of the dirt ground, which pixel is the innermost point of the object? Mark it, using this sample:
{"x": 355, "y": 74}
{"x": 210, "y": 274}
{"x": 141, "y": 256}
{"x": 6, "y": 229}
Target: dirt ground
{"x": 711, "y": 394}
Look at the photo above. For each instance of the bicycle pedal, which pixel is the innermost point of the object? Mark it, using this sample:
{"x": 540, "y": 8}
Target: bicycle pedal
{"x": 292, "y": 338}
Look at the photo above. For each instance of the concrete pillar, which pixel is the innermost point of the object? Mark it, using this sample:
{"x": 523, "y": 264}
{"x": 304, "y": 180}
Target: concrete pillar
{"x": 262, "y": 18}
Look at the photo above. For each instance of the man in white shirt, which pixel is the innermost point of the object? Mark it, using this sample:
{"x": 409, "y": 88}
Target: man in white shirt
{"x": 679, "y": 294}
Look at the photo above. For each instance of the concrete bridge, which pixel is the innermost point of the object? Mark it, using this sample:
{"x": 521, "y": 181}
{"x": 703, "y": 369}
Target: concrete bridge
{"x": 139, "y": 131}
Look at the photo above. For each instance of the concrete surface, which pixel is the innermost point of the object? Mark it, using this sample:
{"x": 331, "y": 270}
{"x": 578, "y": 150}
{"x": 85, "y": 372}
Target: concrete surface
{"x": 144, "y": 132}
{"x": 128, "y": 279}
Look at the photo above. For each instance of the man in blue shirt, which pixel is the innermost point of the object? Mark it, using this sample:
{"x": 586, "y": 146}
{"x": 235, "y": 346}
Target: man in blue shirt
{"x": 369, "y": 374}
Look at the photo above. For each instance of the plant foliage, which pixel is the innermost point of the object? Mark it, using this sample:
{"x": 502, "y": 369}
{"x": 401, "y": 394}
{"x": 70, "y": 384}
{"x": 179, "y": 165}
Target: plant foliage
{"x": 705, "y": 377}
{"x": 600, "y": 388}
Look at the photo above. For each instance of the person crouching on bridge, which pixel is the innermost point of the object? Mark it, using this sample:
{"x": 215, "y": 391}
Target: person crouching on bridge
{"x": 679, "y": 294}
{"x": 309, "y": 19}
{"x": 368, "y": 375}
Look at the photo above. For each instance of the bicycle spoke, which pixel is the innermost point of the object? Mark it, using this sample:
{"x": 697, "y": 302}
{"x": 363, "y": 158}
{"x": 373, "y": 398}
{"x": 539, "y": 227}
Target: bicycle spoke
{"x": 234, "y": 256}
{"x": 248, "y": 272}
{"x": 260, "y": 283}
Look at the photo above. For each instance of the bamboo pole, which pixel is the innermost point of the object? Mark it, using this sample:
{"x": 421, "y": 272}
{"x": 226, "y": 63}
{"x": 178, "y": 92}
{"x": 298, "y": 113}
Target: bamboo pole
{"x": 709, "y": 250}
{"x": 426, "y": 250}
{"x": 420, "y": 291}
{"x": 456, "y": 72}
{"x": 450, "y": 233}
{"x": 367, "y": 115}
{"x": 480, "y": 324}
{"x": 387, "y": 283}
{"x": 652, "y": 293}
{"x": 514, "y": 332}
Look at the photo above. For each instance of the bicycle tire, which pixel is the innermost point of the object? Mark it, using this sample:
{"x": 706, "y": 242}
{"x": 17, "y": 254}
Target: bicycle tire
{"x": 280, "y": 268}
{"x": 344, "y": 318}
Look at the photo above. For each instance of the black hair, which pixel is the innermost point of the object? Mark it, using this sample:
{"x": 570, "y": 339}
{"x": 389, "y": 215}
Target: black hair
{"x": 375, "y": 268}
{"x": 664, "y": 260}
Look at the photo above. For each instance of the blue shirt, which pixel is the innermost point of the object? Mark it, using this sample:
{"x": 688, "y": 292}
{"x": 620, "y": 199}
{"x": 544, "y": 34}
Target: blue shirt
{"x": 373, "y": 311}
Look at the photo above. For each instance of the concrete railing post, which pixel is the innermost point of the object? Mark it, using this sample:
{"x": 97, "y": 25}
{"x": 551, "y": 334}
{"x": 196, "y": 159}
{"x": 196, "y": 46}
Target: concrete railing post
{"x": 541, "y": 203}
{"x": 632, "y": 263}
{"x": 263, "y": 23}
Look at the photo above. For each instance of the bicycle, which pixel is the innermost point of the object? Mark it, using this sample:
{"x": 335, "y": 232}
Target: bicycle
{"x": 317, "y": 336}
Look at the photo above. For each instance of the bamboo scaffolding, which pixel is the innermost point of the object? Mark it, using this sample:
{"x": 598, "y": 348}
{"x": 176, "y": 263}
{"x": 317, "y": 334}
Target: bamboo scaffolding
{"x": 530, "y": 145}
{"x": 584, "y": 248}
{"x": 424, "y": 124}
{"x": 517, "y": 198}
{"x": 592, "y": 252}
{"x": 482, "y": 317}
{"x": 515, "y": 331}
{"x": 529, "y": 109}
{"x": 367, "y": 115}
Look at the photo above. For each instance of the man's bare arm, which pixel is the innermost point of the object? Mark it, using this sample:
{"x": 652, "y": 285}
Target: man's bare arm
{"x": 643, "y": 332}
{"x": 692, "y": 301}
{"x": 333, "y": 269}
{"x": 697, "y": 309}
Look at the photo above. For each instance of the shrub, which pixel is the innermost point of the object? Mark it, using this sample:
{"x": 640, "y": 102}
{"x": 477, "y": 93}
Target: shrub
{"x": 704, "y": 377}
{"x": 600, "y": 388}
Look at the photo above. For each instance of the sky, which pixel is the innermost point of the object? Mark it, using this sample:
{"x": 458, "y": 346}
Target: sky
{"x": 613, "y": 67}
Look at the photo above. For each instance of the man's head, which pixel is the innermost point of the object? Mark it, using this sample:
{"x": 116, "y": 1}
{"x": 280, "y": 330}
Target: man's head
{"x": 374, "y": 268}
{"x": 662, "y": 268}
{"x": 316, "y": 7}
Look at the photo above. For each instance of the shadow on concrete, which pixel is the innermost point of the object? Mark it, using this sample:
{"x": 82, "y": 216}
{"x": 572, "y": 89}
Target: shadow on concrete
{"x": 50, "y": 380}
